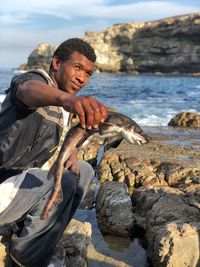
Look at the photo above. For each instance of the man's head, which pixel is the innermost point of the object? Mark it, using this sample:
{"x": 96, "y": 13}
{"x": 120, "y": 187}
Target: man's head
{"x": 72, "y": 64}
{"x": 65, "y": 49}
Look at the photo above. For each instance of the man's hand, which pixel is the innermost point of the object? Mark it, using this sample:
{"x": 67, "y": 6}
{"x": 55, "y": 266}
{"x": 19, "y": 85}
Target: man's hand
{"x": 72, "y": 162}
{"x": 89, "y": 110}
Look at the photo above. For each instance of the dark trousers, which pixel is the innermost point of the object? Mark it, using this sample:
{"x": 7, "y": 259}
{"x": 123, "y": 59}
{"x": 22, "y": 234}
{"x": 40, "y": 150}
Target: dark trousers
{"x": 33, "y": 239}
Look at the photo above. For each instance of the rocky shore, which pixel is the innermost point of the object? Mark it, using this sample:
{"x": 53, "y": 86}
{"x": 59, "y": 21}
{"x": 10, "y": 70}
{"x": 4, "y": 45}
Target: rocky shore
{"x": 152, "y": 189}
{"x": 170, "y": 45}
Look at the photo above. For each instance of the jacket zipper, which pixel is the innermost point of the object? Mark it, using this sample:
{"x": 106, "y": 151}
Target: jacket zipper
{"x": 18, "y": 157}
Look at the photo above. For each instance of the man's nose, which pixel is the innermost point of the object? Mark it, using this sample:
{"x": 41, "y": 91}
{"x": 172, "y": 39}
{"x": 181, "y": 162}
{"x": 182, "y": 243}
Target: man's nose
{"x": 81, "y": 77}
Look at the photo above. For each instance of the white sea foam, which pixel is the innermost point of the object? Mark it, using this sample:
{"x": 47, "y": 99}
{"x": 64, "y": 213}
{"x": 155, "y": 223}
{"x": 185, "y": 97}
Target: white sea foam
{"x": 2, "y": 98}
{"x": 152, "y": 120}
{"x": 19, "y": 71}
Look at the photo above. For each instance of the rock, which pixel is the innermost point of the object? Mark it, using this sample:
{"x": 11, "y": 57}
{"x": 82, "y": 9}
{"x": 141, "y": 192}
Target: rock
{"x": 76, "y": 261}
{"x": 40, "y": 58}
{"x": 157, "y": 163}
{"x": 89, "y": 152}
{"x": 114, "y": 209}
{"x": 88, "y": 201}
{"x": 2, "y": 253}
{"x": 158, "y": 47}
{"x": 169, "y": 45}
{"x": 75, "y": 240}
{"x": 97, "y": 259}
{"x": 5, "y": 260}
{"x": 186, "y": 119}
{"x": 172, "y": 226}
{"x": 165, "y": 193}
{"x": 177, "y": 245}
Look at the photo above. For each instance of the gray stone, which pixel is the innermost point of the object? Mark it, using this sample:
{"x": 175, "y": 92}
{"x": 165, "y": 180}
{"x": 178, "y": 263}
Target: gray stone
{"x": 114, "y": 209}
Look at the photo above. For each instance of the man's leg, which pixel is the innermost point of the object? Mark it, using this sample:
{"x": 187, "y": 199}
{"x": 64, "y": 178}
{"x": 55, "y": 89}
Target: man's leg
{"x": 35, "y": 239}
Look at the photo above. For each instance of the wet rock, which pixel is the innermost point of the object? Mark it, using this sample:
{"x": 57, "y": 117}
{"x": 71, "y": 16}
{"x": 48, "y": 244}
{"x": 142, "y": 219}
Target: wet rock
{"x": 75, "y": 240}
{"x": 75, "y": 261}
{"x": 89, "y": 152}
{"x": 114, "y": 209}
{"x": 165, "y": 193}
{"x": 88, "y": 201}
{"x": 186, "y": 119}
{"x": 157, "y": 163}
{"x": 172, "y": 225}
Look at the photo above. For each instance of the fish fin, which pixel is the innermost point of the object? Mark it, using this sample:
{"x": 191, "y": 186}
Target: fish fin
{"x": 113, "y": 142}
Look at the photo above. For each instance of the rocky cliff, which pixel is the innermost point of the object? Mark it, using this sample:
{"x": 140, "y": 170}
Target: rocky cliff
{"x": 170, "y": 45}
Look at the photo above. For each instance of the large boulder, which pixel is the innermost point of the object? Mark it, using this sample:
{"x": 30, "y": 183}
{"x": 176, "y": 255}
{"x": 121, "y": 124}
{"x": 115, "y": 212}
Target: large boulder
{"x": 186, "y": 119}
{"x": 172, "y": 224}
{"x": 114, "y": 209}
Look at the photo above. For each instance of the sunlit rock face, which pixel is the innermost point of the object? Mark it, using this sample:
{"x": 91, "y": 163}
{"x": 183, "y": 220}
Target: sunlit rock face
{"x": 170, "y": 45}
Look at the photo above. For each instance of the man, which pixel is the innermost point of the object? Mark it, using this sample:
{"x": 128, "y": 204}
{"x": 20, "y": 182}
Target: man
{"x": 31, "y": 122}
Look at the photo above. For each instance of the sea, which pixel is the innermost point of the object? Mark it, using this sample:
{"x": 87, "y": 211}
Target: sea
{"x": 151, "y": 100}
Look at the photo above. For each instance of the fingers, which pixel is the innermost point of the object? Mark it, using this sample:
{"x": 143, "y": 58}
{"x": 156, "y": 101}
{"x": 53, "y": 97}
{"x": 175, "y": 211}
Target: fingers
{"x": 55, "y": 199}
{"x": 91, "y": 112}
{"x": 103, "y": 112}
{"x": 79, "y": 110}
{"x": 70, "y": 165}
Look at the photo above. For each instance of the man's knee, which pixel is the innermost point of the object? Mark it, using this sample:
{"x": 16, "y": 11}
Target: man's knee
{"x": 86, "y": 171}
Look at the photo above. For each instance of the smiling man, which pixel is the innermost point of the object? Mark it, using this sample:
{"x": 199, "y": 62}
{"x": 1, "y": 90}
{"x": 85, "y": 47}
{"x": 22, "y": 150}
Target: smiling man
{"x": 32, "y": 117}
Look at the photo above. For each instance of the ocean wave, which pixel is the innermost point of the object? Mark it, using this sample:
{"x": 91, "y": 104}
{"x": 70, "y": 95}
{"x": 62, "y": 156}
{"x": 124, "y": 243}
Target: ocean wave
{"x": 2, "y": 98}
{"x": 152, "y": 120}
{"x": 19, "y": 71}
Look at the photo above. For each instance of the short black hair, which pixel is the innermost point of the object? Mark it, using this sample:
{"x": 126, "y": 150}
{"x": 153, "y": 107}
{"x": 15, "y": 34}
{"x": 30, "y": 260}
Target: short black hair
{"x": 66, "y": 48}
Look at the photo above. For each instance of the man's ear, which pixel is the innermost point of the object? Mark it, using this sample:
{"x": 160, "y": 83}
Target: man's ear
{"x": 55, "y": 62}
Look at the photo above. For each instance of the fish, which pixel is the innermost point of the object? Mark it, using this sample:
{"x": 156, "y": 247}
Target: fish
{"x": 112, "y": 131}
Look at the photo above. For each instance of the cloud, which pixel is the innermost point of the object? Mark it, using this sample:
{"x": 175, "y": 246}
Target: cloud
{"x": 25, "y": 24}
{"x": 141, "y": 10}
{"x": 144, "y": 10}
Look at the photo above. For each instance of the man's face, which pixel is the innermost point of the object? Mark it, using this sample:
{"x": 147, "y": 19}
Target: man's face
{"x": 74, "y": 73}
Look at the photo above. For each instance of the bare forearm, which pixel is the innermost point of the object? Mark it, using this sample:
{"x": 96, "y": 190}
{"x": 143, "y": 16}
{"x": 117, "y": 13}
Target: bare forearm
{"x": 38, "y": 94}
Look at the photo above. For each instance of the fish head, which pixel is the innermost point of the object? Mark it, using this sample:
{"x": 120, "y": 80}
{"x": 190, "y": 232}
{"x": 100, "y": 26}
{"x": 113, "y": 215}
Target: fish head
{"x": 120, "y": 126}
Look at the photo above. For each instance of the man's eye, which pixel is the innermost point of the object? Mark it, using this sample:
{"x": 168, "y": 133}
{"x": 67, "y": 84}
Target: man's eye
{"x": 77, "y": 67}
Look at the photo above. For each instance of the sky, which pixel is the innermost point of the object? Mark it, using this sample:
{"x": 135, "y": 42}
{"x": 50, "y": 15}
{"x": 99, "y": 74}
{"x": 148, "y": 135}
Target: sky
{"x": 24, "y": 24}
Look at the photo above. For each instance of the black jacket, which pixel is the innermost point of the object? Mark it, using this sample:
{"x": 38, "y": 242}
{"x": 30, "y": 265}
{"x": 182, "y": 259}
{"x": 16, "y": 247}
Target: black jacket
{"x": 27, "y": 135}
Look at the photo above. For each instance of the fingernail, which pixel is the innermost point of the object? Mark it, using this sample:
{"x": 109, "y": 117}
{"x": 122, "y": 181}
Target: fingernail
{"x": 96, "y": 126}
{"x": 89, "y": 127}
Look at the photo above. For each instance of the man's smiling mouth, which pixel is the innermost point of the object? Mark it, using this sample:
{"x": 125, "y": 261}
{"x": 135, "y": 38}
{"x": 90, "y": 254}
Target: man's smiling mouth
{"x": 76, "y": 86}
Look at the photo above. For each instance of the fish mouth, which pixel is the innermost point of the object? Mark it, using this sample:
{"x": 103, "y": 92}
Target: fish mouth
{"x": 143, "y": 140}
